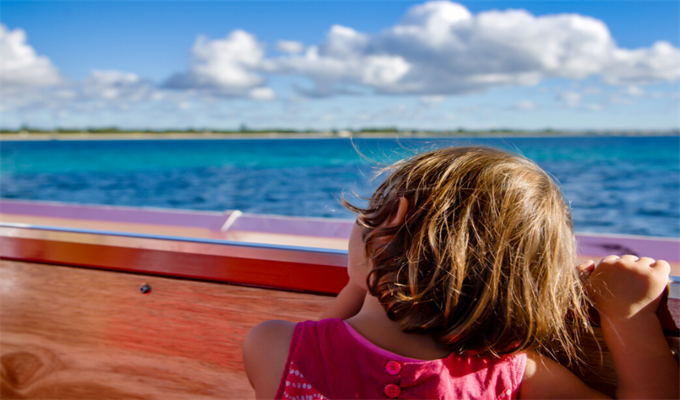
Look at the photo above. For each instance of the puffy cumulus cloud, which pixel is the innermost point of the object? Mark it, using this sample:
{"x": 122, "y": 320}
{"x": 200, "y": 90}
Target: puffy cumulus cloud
{"x": 32, "y": 82}
{"x": 115, "y": 85}
{"x": 20, "y": 66}
{"x": 261, "y": 93}
{"x": 660, "y": 62}
{"x": 440, "y": 48}
{"x": 288, "y": 46}
{"x": 227, "y": 66}
{"x": 101, "y": 90}
{"x": 344, "y": 58}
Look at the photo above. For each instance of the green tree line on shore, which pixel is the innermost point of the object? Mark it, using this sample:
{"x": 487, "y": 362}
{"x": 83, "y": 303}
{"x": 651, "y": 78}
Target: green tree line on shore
{"x": 243, "y": 129}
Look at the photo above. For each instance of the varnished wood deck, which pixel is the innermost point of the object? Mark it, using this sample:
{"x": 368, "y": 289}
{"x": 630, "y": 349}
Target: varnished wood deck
{"x": 73, "y": 333}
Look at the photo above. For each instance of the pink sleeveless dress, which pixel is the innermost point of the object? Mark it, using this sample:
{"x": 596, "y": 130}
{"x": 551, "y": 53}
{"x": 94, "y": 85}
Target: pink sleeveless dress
{"x": 328, "y": 359}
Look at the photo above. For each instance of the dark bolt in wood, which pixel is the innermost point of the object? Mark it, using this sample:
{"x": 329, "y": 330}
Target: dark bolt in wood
{"x": 145, "y": 288}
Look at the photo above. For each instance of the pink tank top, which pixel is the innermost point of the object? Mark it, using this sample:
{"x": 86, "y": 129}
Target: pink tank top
{"x": 328, "y": 359}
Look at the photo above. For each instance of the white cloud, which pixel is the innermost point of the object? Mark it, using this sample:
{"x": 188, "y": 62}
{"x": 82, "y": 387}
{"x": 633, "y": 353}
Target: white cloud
{"x": 225, "y": 66}
{"x": 20, "y": 66}
{"x": 261, "y": 93}
{"x": 524, "y": 105}
{"x": 342, "y": 60}
{"x": 634, "y": 90}
{"x": 115, "y": 85}
{"x": 101, "y": 90}
{"x": 431, "y": 100}
{"x": 31, "y": 82}
{"x": 570, "y": 99}
{"x": 658, "y": 63}
{"x": 289, "y": 46}
{"x": 440, "y": 48}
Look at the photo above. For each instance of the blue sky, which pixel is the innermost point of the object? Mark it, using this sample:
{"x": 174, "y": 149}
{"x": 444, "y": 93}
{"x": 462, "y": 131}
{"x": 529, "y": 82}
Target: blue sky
{"x": 337, "y": 65}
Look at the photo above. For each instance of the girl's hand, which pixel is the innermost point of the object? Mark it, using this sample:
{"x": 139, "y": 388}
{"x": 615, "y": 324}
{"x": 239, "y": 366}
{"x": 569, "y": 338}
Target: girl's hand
{"x": 627, "y": 291}
{"x": 623, "y": 287}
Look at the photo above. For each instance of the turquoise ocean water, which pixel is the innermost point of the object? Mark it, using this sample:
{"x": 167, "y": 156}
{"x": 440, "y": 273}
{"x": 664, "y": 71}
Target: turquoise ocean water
{"x": 620, "y": 185}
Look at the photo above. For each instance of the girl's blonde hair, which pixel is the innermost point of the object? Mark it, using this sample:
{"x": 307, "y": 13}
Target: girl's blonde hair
{"x": 485, "y": 260}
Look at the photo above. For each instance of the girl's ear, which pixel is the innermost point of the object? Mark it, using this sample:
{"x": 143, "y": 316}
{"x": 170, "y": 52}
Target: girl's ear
{"x": 397, "y": 220}
{"x": 400, "y": 217}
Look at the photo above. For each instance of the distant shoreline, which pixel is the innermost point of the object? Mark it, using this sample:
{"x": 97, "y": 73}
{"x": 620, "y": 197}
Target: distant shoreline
{"x": 315, "y": 135}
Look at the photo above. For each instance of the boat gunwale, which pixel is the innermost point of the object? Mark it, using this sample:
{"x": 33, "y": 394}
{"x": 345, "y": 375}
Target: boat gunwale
{"x": 222, "y": 242}
{"x": 304, "y": 269}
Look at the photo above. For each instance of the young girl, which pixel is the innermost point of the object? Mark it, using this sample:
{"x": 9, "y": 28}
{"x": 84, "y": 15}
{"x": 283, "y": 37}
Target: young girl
{"x": 461, "y": 280}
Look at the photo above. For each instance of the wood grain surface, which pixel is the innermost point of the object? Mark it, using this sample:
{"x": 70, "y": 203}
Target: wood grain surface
{"x": 296, "y": 269}
{"x": 72, "y": 333}
{"x": 77, "y": 333}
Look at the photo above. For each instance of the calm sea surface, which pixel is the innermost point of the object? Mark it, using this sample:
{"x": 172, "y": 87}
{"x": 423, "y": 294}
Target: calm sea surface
{"x": 621, "y": 185}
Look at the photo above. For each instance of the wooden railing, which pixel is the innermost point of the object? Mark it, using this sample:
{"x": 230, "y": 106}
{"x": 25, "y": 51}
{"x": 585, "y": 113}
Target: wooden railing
{"x": 282, "y": 267}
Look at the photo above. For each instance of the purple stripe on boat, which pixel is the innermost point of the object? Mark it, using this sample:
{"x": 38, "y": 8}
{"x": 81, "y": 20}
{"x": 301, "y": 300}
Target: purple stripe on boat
{"x": 198, "y": 219}
{"x": 330, "y": 228}
{"x": 601, "y": 245}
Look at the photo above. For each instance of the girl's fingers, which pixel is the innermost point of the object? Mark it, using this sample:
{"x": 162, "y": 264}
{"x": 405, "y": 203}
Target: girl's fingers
{"x": 662, "y": 266}
{"x": 647, "y": 261}
{"x": 586, "y": 267}
{"x": 610, "y": 258}
{"x": 658, "y": 265}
